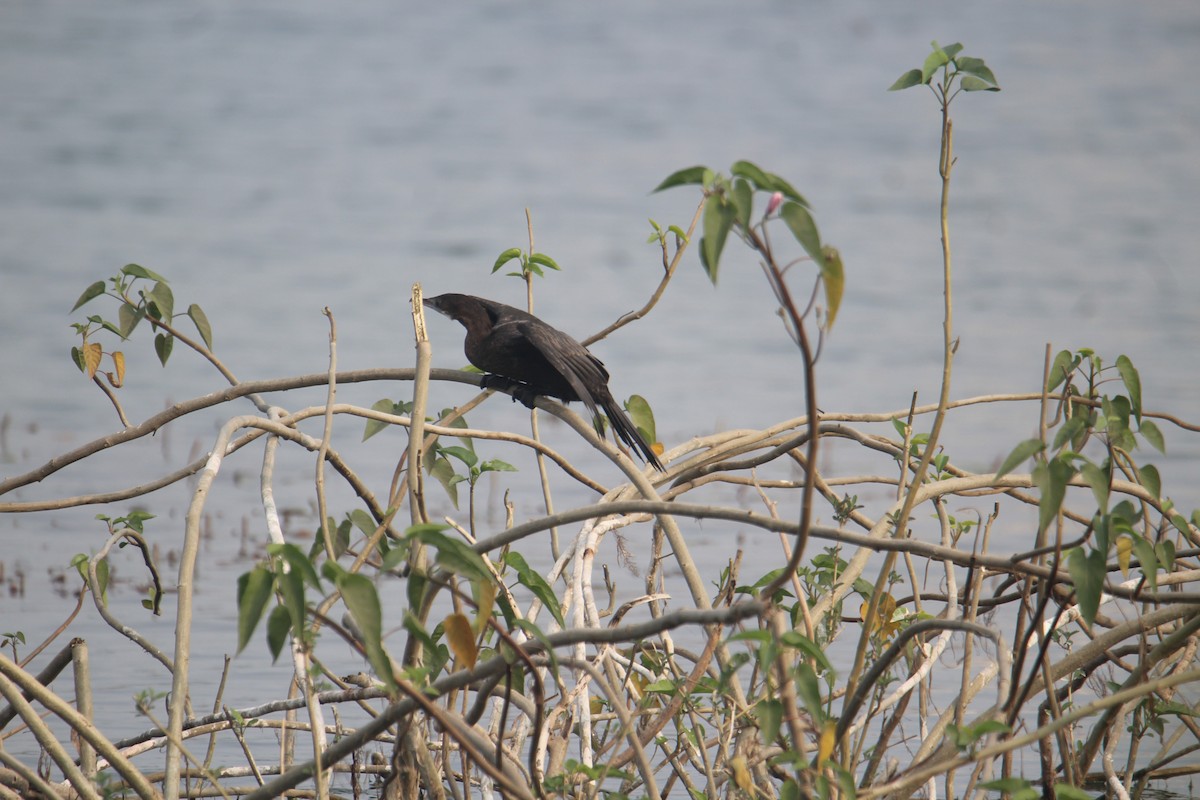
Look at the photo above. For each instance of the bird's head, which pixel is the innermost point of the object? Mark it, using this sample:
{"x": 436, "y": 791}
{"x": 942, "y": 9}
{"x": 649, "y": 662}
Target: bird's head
{"x": 447, "y": 304}
{"x": 472, "y": 312}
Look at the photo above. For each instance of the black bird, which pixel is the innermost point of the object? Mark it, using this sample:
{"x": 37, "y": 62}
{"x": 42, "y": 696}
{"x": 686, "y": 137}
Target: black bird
{"x": 526, "y": 356}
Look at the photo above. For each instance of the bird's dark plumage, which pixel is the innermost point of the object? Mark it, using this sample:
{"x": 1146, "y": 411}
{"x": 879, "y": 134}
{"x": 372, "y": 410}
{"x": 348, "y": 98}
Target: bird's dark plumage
{"x": 522, "y": 354}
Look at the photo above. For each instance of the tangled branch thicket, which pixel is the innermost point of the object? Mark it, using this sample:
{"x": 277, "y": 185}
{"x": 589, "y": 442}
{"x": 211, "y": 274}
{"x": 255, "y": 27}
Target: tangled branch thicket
{"x": 1055, "y": 623}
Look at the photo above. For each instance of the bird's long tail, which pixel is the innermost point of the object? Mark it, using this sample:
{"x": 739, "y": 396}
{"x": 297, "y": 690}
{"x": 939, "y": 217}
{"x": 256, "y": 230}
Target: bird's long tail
{"x": 628, "y": 433}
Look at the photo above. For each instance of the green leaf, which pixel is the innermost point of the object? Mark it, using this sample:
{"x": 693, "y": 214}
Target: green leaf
{"x": 341, "y": 538}
{"x": 774, "y": 183}
{"x": 253, "y": 592}
{"x": 505, "y": 257}
{"x": 752, "y": 173}
{"x": 1153, "y": 435}
{"x": 908, "y": 80}
{"x": 1099, "y": 479}
{"x": 496, "y": 465}
{"x": 970, "y": 83}
{"x": 201, "y": 322}
{"x": 988, "y": 726}
{"x": 809, "y": 689}
{"x": 362, "y": 601}
{"x": 683, "y": 177}
{"x": 718, "y": 219}
{"x": 1015, "y": 788}
{"x": 128, "y": 317}
{"x": 1018, "y": 456}
{"x": 1176, "y": 709}
{"x": 770, "y": 716}
{"x": 394, "y": 557}
{"x": 291, "y": 587}
{"x": 1117, "y": 411}
{"x": 1164, "y": 551}
{"x": 101, "y": 578}
{"x": 414, "y": 589}
{"x": 89, "y": 294}
{"x": 976, "y": 67}
{"x": 743, "y": 202}
{"x": 1051, "y": 478}
{"x": 933, "y": 62}
{"x": 452, "y": 554}
{"x": 365, "y": 523}
{"x": 298, "y": 562}
{"x": 1065, "y": 791}
{"x": 1133, "y": 383}
{"x": 534, "y": 582}
{"x": 162, "y": 347}
{"x": 443, "y": 471}
{"x": 163, "y": 299}
{"x": 135, "y": 271}
{"x": 279, "y": 625}
{"x": 1149, "y": 477}
{"x": 788, "y": 791}
{"x": 432, "y": 649}
{"x": 374, "y": 426}
{"x": 136, "y": 519}
{"x": 642, "y": 416}
{"x": 462, "y": 454}
{"x": 1064, "y": 364}
{"x": 704, "y": 263}
{"x": 331, "y": 570}
{"x": 809, "y": 648}
{"x": 756, "y": 635}
{"x": 951, "y": 50}
{"x": 1071, "y": 429}
{"x": 1148, "y": 559}
{"x": 1087, "y": 573}
{"x": 544, "y": 260}
{"x": 834, "y": 279}
{"x": 801, "y": 224}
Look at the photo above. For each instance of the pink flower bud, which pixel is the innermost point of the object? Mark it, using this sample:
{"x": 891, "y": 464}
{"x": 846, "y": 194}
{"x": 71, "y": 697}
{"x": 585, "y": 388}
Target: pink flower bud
{"x": 774, "y": 204}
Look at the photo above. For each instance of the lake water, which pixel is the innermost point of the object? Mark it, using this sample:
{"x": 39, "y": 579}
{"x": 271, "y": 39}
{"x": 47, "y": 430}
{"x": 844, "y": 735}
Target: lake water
{"x": 275, "y": 158}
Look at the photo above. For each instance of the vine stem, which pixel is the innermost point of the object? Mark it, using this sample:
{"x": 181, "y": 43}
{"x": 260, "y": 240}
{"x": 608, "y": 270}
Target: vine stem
{"x": 900, "y": 521}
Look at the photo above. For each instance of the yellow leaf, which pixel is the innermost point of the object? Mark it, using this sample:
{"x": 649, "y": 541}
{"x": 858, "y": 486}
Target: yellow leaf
{"x": 835, "y": 282}
{"x": 887, "y": 607}
{"x": 883, "y": 620}
{"x": 117, "y": 380}
{"x": 828, "y": 740}
{"x": 741, "y": 773}
{"x": 91, "y": 357}
{"x": 1124, "y": 550}
{"x": 462, "y": 639}
{"x": 485, "y": 597}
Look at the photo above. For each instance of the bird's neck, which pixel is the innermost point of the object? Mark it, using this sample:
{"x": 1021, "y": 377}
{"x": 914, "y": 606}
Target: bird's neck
{"x": 478, "y": 323}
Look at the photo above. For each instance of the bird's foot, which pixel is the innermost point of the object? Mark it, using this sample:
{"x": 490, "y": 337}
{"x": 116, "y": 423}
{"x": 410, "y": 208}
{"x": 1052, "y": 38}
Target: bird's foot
{"x": 526, "y": 395}
{"x": 497, "y": 382}
{"x": 519, "y": 391}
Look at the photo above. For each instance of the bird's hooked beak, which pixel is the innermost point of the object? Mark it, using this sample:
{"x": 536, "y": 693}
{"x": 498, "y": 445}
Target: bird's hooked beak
{"x": 433, "y": 302}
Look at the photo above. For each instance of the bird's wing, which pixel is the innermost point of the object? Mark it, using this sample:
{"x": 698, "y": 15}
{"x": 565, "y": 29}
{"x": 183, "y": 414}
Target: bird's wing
{"x": 571, "y": 359}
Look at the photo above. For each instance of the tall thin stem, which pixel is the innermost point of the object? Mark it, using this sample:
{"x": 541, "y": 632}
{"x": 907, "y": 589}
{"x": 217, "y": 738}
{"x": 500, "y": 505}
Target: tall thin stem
{"x": 900, "y": 522}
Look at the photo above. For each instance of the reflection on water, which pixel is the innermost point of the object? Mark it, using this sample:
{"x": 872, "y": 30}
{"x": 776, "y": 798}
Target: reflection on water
{"x": 278, "y": 159}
